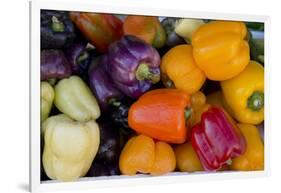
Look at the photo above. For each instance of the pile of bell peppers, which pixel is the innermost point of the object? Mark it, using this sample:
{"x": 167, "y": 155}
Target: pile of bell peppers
{"x": 124, "y": 95}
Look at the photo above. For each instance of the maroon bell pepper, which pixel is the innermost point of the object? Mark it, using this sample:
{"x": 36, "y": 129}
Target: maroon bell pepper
{"x": 133, "y": 65}
{"x": 100, "y": 29}
{"x": 216, "y": 139}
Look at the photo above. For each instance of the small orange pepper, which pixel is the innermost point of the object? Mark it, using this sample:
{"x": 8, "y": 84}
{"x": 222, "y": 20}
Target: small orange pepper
{"x": 161, "y": 114}
{"x": 142, "y": 154}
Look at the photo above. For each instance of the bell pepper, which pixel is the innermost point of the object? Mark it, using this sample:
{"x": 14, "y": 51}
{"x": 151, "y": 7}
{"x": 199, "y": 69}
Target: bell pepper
{"x": 102, "y": 84}
{"x": 133, "y": 65}
{"x": 161, "y": 114}
{"x": 256, "y": 42}
{"x": 54, "y": 65}
{"x": 142, "y": 154}
{"x": 253, "y": 158}
{"x": 147, "y": 28}
{"x": 56, "y": 30}
{"x": 187, "y": 159}
{"x": 219, "y": 49}
{"x": 169, "y": 24}
{"x": 217, "y": 139}
{"x": 99, "y": 28}
{"x": 198, "y": 106}
{"x": 244, "y": 94}
{"x": 70, "y": 147}
{"x": 47, "y": 99}
{"x": 186, "y": 27}
{"x": 74, "y": 98}
{"x": 179, "y": 70}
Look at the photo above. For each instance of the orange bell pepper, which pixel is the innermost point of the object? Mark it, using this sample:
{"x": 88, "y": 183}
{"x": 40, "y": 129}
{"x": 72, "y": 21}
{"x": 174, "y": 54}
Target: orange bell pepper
{"x": 147, "y": 28}
{"x": 179, "y": 70}
{"x": 220, "y": 50}
{"x": 161, "y": 114}
{"x": 142, "y": 154}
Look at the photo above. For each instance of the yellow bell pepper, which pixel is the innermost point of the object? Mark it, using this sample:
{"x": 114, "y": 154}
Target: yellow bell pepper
{"x": 187, "y": 159}
{"x": 217, "y": 99}
{"x": 142, "y": 154}
{"x": 47, "y": 98}
{"x": 244, "y": 94}
{"x": 70, "y": 147}
{"x": 253, "y": 158}
{"x": 220, "y": 50}
{"x": 178, "y": 69}
{"x": 74, "y": 98}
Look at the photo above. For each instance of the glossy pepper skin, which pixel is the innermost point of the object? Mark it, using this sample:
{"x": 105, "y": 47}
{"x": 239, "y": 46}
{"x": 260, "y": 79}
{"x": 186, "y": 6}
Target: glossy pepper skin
{"x": 70, "y": 147}
{"x": 253, "y": 158}
{"x": 74, "y": 98}
{"x": 47, "y": 99}
{"x": 147, "y": 28}
{"x": 161, "y": 114}
{"x": 54, "y": 65}
{"x": 57, "y": 30}
{"x": 187, "y": 159}
{"x": 219, "y": 49}
{"x": 133, "y": 65}
{"x": 99, "y": 28}
{"x": 102, "y": 84}
{"x": 142, "y": 154}
{"x": 179, "y": 70}
{"x": 216, "y": 139}
{"x": 169, "y": 25}
{"x": 244, "y": 94}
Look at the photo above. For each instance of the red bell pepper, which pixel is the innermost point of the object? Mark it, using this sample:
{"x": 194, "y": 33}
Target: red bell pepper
{"x": 99, "y": 28}
{"x": 217, "y": 139}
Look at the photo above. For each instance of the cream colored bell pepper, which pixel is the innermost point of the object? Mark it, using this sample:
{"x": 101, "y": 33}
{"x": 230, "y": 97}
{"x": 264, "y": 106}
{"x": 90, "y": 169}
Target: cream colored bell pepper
{"x": 70, "y": 147}
{"x": 47, "y": 99}
{"x": 74, "y": 98}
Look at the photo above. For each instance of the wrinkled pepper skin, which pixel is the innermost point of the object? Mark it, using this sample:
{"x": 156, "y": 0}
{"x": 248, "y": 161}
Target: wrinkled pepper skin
{"x": 216, "y": 139}
{"x": 102, "y": 85}
{"x": 161, "y": 114}
{"x": 187, "y": 159}
{"x": 142, "y": 154}
{"x": 70, "y": 147}
{"x": 244, "y": 94}
{"x": 133, "y": 65}
{"x": 75, "y": 99}
{"x": 179, "y": 70}
{"x": 99, "y": 28}
{"x": 57, "y": 30}
{"x": 47, "y": 99}
{"x": 253, "y": 158}
{"x": 54, "y": 65}
{"x": 220, "y": 50}
{"x": 147, "y": 28}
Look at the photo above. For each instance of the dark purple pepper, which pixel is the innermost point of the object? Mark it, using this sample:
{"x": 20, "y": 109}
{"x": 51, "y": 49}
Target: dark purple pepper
{"x": 54, "y": 65}
{"x": 102, "y": 85}
{"x": 133, "y": 65}
{"x": 103, "y": 169}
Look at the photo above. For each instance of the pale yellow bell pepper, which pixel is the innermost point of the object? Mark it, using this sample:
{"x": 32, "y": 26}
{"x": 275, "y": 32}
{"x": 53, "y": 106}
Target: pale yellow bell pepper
{"x": 74, "y": 98}
{"x": 47, "y": 98}
{"x": 70, "y": 147}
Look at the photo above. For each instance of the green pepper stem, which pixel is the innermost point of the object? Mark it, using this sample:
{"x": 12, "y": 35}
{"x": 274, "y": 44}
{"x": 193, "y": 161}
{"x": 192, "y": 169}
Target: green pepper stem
{"x": 187, "y": 113}
{"x": 57, "y": 26}
{"x": 143, "y": 73}
{"x": 256, "y": 101}
{"x": 83, "y": 56}
{"x": 114, "y": 102}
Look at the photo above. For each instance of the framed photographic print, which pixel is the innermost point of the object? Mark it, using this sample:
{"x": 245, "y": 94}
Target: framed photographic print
{"x": 134, "y": 96}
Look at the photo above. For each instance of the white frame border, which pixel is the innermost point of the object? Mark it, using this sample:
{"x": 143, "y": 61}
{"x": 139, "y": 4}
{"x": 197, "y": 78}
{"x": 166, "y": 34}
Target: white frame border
{"x": 102, "y": 182}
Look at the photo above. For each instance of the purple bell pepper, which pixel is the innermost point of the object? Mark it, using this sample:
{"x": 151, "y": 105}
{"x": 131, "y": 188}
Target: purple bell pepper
{"x": 133, "y": 65}
{"x": 54, "y": 65}
{"x": 102, "y": 85}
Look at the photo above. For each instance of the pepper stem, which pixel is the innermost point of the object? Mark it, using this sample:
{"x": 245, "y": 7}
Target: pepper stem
{"x": 114, "y": 102}
{"x": 143, "y": 73}
{"x": 256, "y": 101}
{"x": 83, "y": 56}
{"x": 57, "y": 26}
{"x": 187, "y": 113}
